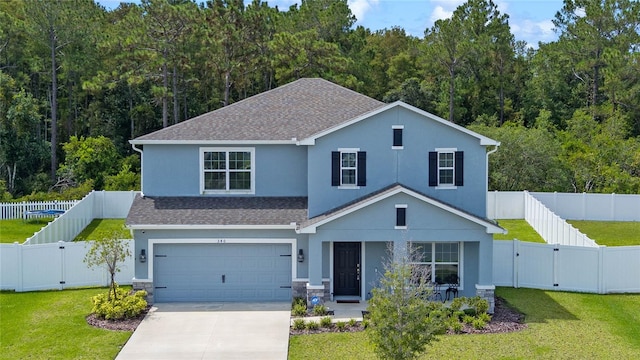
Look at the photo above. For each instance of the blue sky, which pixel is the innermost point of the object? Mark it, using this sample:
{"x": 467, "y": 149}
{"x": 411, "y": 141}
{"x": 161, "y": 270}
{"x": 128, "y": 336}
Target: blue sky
{"x": 530, "y": 20}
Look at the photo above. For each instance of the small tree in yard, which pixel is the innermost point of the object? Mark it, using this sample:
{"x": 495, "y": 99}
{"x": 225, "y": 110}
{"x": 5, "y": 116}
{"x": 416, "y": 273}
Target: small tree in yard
{"x": 402, "y": 319}
{"x": 110, "y": 253}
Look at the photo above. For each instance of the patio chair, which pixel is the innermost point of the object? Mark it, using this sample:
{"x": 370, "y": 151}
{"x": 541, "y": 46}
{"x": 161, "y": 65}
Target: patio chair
{"x": 436, "y": 292}
{"x": 453, "y": 282}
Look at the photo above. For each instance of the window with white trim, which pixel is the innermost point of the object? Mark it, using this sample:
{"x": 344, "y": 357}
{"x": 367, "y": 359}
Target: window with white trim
{"x": 441, "y": 258}
{"x": 401, "y": 216}
{"x": 227, "y": 170}
{"x": 348, "y": 167}
{"x": 446, "y": 168}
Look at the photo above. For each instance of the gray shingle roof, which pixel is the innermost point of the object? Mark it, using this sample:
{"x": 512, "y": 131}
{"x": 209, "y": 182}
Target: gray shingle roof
{"x": 298, "y": 110}
{"x": 217, "y": 211}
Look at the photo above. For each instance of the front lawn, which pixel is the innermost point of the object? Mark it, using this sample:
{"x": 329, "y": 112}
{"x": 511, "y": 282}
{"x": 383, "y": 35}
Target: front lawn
{"x": 610, "y": 233}
{"x": 19, "y": 230}
{"x": 518, "y": 229}
{"x": 561, "y": 326}
{"x": 51, "y": 325}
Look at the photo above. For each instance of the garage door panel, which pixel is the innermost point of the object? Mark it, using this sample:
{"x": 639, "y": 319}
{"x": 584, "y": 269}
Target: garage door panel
{"x": 194, "y": 272}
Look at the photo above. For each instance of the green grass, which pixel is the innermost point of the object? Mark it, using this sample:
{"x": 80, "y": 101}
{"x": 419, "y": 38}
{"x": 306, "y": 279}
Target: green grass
{"x": 104, "y": 228}
{"x": 610, "y": 233}
{"x": 51, "y": 325}
{"x": 19, "y": 230}
{"x": 561, "y": 326}
{"x": 518, "y": 229}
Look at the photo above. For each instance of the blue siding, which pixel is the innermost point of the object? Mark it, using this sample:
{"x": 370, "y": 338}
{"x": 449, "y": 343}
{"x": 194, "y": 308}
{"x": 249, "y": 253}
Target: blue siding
{"x": 386, "y": 166}
{"x": 174, "y": 170}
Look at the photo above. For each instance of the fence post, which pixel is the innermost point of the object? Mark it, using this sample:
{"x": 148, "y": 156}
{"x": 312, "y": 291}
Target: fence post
{"x": 613, "y": 206}
{"x": 61, "y": 247}
{"x": 601, "y": 277}
{"x": 516, "y": 263}
{"x": 20, "y": 282}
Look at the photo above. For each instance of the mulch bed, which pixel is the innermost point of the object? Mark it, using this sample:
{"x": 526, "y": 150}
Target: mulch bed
{"x": 503, "y": 320}
{"x": 119, "y": 325}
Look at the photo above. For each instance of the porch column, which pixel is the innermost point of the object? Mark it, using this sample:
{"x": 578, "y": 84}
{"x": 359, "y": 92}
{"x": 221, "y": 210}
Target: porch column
{"x": 315, "y": 286}
{"x": 485, "y": 288}
{"x": 485, "y": 254}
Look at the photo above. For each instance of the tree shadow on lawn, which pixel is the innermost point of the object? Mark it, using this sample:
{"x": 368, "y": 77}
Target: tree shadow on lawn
{"x": 536, "y": 305}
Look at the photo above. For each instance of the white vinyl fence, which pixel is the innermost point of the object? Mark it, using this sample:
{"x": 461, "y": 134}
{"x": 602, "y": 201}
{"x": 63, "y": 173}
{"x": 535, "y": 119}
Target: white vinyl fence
{"x": 96, "y": 205}
{"x": 569, "y": 268}
{"x": 19, "y": 210}
{"x": 552, "y": 228}
{"x": 54, "y": 266}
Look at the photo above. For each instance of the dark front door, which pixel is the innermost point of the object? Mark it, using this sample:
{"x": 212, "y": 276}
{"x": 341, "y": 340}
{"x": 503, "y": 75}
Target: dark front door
{"x": 346, "y": 268}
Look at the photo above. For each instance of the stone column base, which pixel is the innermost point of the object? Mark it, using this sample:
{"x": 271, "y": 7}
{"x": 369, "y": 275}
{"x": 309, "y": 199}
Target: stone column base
{"x": 146, "y": 285}
{"x": 321, "y": 292}
{"x": 487, "y": 292}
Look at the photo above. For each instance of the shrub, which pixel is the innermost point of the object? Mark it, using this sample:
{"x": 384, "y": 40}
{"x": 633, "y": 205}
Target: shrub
{"x": 457, "y": 303}
{"x": 125, "y": 305}
{"x": 341, "y": 325}
{"x": 365, "y": 323}
{"x": 478, "y": 324}
{"x": 313, "y": 325}
{"x": 470, "y": 312}
{"x": 299, "y": 310}
{"x": 479, "y": 304}
{"x": 319, "y": 310}
{"x": 458, "y": 315}
{"x": 299, "y": 324}
{"x": 298, "y": 301}
{"x": 484, "y": 317}
{"x": 456, "y": 326}
{"x": 352, "y": 322}
{"x": 325, "y": 321}
{"x": 468, "y": 319}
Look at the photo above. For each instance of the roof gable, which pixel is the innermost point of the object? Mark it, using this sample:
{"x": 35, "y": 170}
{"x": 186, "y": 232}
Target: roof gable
{"x": 483, "y": 139}
{"x": 310, "y": 226}
{"x": 290, "y": 112}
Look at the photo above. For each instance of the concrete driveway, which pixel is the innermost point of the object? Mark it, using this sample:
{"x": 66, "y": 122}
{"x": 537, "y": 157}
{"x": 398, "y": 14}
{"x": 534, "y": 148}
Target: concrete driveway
{"x": 211, "y": 331}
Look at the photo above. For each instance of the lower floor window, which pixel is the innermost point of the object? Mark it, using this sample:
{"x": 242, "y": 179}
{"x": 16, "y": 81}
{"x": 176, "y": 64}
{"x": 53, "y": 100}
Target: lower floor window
{"x": 442, "y": 260}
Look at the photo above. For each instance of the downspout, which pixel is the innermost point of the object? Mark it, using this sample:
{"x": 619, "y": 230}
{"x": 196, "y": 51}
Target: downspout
{"x": 141, "y": 167}
{"x": 487, "y": 177}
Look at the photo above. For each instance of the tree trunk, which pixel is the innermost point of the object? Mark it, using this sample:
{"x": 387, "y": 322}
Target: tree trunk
{"x": 54, "y": 103}
{"x": 176, "y": 106}
{"x": 452, "y": 73}
{"x": 165, "y": 87}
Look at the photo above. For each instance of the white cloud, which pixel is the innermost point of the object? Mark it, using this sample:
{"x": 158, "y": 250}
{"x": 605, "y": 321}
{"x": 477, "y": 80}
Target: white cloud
{"x": 533, "y": 31}
{"x": 439, "y": 13}
{"x": 360, "y": 7}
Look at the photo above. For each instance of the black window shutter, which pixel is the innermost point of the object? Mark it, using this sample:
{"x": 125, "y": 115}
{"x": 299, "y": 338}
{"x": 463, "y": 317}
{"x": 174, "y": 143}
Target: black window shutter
{"x": 397, "y": 137}
{"x": 433, "y": 168}
{"x": 459, "y": 159}
{"x": 335, "y": 168}
{"x": 362, "y": 168}
{"x": 401, "y": 216}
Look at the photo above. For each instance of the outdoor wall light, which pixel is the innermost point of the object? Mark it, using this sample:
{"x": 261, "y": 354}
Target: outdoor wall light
{"x": 300, "y": 255}
{"x": 143, "y": 256}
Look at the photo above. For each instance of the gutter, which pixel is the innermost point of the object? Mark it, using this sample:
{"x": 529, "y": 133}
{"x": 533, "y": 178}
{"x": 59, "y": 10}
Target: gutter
{"x": 141, "y": 166}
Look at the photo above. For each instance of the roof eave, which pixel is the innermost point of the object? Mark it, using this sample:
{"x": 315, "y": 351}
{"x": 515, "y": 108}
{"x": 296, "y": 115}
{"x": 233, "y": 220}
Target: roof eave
{"x": 214, "y": 142}
{"x": 291, "y": 226}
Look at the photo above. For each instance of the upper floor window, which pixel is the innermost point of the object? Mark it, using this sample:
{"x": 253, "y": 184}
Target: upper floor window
{"x": 397, "y": 137}
{"x": 446, "y": 168}
{"x": 348, "y": 168}
{"x": 401, "y": 216}
{"x": 227, "y": 170}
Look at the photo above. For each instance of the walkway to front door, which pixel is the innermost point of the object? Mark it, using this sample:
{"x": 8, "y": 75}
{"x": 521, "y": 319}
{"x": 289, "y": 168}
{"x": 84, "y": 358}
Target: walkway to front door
{"x": 346, "y": 268}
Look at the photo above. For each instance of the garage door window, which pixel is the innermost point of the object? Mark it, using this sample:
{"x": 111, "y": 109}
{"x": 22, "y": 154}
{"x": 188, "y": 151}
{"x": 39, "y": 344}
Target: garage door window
{"x": 227, "y": 170}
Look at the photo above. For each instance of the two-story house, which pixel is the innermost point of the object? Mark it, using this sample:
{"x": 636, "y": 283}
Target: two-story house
{"x": 301, "y": 191}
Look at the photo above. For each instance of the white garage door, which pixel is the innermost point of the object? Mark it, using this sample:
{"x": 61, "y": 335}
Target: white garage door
{"x": 222, "y": 272}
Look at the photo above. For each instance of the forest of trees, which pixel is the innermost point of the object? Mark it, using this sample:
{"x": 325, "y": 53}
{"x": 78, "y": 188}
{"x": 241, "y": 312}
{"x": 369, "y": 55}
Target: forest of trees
{"x": 78, "y": 81}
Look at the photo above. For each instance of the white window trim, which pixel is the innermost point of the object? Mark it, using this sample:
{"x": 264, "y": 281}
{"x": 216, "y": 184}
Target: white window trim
{"x": 433, "y": 263}
{"x": 252, "y": 151}
{"x": 451, "y": 186}
{"x": 349, "y": 186}
{"x": 401, "y": 206}
{"x": 401, "y": 127}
